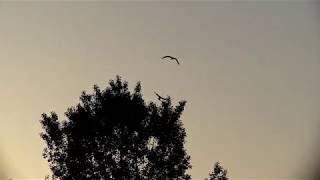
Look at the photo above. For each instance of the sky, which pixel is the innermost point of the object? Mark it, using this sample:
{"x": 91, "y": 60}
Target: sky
{"x": 249, "y": 72}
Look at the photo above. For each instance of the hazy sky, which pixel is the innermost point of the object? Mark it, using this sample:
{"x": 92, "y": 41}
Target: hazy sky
{"x": 249, "y": 71}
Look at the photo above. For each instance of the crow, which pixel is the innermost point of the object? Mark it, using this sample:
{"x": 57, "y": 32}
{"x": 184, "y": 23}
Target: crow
{"x": 160, "y": 98}
{"x": 171, "y": 58}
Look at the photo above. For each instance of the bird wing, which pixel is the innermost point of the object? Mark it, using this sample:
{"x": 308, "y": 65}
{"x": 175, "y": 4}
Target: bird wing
{"x": 166, "y": 57}
{"x": 157, "y": 94}
{"x": 177, "y": 61}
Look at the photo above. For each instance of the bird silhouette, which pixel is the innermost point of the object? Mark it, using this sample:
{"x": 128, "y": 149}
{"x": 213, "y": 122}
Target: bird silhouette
{"x": 171, "y": 58}
{"x": 160, "y": 98}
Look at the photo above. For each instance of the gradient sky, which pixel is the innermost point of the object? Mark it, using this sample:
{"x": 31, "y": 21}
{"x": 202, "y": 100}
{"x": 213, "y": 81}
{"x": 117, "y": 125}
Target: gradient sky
{"x": 249, "y": 71}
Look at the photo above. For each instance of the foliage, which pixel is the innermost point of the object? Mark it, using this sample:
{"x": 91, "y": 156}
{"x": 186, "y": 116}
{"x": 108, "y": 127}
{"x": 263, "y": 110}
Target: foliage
{"x": 114, "y": 134}
{"x": 218, "y": 173}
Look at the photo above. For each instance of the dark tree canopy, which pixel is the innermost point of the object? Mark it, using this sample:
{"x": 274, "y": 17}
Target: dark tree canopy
{"x": 218, "y": 173}
{"x": 114, "y": 134}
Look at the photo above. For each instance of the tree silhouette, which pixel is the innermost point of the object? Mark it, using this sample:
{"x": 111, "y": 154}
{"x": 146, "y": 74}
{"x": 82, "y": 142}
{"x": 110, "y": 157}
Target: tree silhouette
{"x": 218, "y": 173}
{"x": 114, "y": 134}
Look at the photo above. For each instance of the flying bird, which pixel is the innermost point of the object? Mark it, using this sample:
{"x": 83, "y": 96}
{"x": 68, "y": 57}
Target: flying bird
{"x": 171, "y": 58}
{"x": 160, "y": 98}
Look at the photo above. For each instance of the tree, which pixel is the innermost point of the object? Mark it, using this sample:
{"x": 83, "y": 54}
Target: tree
{"x": 114, "y": 134}
{"x": 218, "y": 173}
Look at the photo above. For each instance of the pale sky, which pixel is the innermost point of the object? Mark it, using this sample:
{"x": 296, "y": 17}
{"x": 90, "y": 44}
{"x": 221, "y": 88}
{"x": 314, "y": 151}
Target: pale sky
{"x": 249, "y": 72}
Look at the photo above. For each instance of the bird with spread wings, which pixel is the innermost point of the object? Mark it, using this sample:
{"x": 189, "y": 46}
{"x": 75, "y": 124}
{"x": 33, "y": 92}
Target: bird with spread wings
{"x": 160, "y": 98}
{"x": 171, "y": 58}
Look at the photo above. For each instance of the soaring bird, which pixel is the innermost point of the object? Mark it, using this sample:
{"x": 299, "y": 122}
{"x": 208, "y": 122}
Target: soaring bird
{"x": 160, "y": 97}
{"x": 171, "y": 58}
